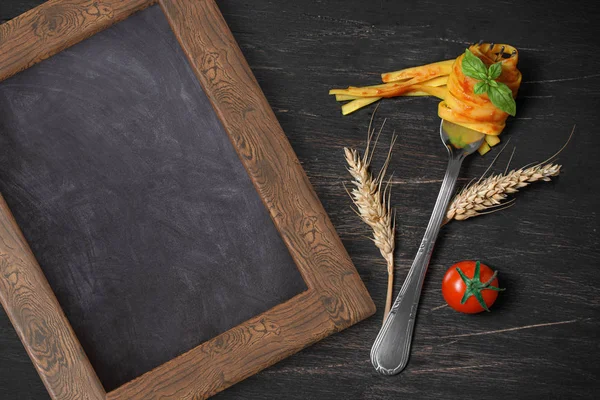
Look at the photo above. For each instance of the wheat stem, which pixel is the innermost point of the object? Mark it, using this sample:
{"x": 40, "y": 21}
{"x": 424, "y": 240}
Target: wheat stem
{"x": 390, "y": 289}
{"x": 372, "y": 196}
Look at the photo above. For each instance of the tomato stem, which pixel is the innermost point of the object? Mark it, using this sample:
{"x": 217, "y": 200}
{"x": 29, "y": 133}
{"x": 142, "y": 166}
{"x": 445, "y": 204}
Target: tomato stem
{"x": 475, "y": 286}
{"x": 489, "y": 281}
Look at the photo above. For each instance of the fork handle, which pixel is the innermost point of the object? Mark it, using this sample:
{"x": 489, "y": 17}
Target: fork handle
{"x": 391, "y": 349}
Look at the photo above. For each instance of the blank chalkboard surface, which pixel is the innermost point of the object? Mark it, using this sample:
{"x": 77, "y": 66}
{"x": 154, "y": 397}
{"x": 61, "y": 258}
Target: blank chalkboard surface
{"x": 134, "y": 201}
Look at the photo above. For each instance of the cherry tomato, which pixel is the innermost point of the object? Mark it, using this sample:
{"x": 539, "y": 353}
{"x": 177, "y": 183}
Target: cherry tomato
{"x": 470, "y": 287}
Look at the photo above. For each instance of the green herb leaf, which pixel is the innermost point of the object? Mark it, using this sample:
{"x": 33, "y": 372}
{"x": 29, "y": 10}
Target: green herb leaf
{"x": 500, "y": 95}
{"x": 503, "y": 99}
{"x": 495, "y": 70}
{"x": 473, "y": 67}
{"x": 481, "y": 87}
{"x": 504, "y": 88}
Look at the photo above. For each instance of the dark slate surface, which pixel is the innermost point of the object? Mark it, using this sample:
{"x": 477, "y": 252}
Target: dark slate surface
{"x": 541, "y": 340}
{"x": 134, "y": 201}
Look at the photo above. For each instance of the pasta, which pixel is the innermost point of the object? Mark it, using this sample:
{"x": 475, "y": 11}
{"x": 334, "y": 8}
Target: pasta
{"x": 446, "y": 81}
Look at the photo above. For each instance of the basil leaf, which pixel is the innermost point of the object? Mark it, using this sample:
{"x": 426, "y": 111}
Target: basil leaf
{"x": 500, "y": 95}
{"x": 473, "y": 67}
{"x": 494, "y": 71}
{"x": 503, "y": 100}
{"x": 503, "y": 87}
{"x": 481, "y": 87}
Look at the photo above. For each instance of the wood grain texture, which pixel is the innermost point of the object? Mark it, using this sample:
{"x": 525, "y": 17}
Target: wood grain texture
{"x": 39, "y": 320}
{"x": 542, "y": 332}
{"x": 235, "y": 354}
{"x": 57, "y": 24}
{"x": 336, "y": 297}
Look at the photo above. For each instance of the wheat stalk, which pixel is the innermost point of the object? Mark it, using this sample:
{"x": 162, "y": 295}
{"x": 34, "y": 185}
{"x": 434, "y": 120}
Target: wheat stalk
{"x": 371, "y": 196}
{"x": 487, "y": 195}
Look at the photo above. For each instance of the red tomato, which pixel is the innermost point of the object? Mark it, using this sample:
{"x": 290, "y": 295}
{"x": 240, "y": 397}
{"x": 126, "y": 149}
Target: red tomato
{"x": 470, "y": 287}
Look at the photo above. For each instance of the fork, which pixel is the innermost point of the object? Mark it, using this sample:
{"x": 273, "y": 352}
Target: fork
{"x": 391, "y": 349}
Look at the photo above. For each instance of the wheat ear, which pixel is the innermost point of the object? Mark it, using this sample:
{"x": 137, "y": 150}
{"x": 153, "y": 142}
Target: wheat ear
{"x": 487, "y": 195}
{"x": 371, "y": 196}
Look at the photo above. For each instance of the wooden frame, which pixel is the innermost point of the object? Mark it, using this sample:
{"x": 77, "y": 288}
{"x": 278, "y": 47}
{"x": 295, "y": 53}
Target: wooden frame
{"x": 336, "y": 297}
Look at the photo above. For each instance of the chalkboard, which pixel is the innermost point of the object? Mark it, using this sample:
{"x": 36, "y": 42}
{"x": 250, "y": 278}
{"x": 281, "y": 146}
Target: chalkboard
{"x": 134, "y": 201}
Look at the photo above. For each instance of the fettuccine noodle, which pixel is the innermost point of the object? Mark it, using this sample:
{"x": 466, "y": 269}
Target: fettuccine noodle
{"x": 446, "y": 81}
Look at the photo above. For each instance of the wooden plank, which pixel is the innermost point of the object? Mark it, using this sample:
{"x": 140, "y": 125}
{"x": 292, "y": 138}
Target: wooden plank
{"x": 235, "y": 354}
{"x": 39, "y": 320}
{"x": 55, "y": 25}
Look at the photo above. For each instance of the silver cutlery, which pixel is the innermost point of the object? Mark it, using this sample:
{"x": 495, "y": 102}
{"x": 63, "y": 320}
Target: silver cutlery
{"x": 391, "y": 349}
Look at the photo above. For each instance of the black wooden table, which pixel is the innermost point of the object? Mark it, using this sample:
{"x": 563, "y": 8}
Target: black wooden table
{"x": 541, "y": 340}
